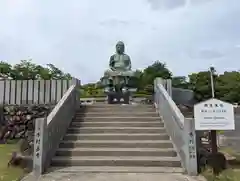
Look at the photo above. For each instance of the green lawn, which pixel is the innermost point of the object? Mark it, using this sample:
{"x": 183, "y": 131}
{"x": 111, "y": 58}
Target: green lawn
{"x": 231, "y": 174}
{"x": 227, "y": 175}
{"x": 11, "y": 173}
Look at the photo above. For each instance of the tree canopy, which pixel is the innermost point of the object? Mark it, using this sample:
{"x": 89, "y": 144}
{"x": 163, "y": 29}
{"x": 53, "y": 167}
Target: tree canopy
{"x": 227, "y": 84}
{"x": 26, "y": 70}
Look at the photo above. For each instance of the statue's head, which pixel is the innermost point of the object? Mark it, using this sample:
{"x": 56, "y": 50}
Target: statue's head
{"x": 120, "y": 47}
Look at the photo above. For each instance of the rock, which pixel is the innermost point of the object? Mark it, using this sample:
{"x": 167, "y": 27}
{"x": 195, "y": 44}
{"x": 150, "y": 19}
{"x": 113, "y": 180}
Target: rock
{"x": 217, "y": 161}
{"x": 18, "y": 121}
{"x": 17, "y": 159}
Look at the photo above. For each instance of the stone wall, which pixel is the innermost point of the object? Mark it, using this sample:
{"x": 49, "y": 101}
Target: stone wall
{"x": 183, "y": 96}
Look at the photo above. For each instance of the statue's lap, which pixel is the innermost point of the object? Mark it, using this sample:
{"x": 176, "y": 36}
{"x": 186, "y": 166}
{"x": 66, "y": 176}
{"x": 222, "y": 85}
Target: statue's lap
{"x": 110, "y": 73}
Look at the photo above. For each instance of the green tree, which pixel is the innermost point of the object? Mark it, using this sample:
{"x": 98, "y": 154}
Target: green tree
{"x": 180, "y": 82}
{"x": 228, "y": 86}
{"x": 138, "y": 74}
{"x": 56, "y": 73}
{"x": 157, "y": 69}
{"x": 5, "y": 69}
{"x": 26, "y": 70}
{"x": 200, "y": 83}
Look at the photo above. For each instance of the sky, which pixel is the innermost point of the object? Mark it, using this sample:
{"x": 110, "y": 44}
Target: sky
{"x": 79, "y": 36}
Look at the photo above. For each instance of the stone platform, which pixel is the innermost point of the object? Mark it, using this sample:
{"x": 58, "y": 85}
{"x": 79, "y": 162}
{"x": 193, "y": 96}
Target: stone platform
{"x": 61, "y": 176}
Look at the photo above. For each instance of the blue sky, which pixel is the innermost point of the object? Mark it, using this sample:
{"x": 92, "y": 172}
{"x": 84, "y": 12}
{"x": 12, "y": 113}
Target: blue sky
{"x": 79, "y": 36}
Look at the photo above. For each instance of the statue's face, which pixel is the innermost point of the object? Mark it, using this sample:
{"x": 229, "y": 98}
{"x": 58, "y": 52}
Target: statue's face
{"x": 120, "y": 48}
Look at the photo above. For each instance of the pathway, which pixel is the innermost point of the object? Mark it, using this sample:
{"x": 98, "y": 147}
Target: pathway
{"x": 61, "y": 176}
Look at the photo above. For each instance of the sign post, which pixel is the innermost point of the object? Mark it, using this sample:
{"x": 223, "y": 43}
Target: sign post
{"x": 213, "y": 115}
{"x": 213, "y": 132}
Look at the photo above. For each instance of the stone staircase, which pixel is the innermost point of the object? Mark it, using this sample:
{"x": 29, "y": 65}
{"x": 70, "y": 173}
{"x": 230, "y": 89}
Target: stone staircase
{"x": 116, "y": 138}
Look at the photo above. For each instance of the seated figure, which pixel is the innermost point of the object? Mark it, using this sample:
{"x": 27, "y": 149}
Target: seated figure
{"x": 117, "y": 80}
{"x": 120, "y": 63}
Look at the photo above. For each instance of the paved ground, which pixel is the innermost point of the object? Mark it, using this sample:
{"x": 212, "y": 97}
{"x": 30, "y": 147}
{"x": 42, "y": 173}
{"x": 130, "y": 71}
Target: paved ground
{"x": 232, "y": 138}
{"x": 58, "y": 176}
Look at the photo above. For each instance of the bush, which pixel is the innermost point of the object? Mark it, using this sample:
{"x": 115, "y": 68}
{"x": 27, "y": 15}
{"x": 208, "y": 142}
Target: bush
{"x": 227, "y": 175}
{"x": 92, "y": 96}
{"x": 141, "y": 95}
{"x": 142, "y": 92}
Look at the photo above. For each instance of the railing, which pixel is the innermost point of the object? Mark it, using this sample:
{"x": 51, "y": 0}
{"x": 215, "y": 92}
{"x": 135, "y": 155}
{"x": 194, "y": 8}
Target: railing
{"x": 50, "y": 131}
{"x": 180, "y": 130}
{"x": 33, "y": 91}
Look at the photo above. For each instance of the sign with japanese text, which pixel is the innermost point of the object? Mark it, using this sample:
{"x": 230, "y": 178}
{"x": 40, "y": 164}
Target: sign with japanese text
{"x": 38, "y": 161}
{"x": 214, "y": 114}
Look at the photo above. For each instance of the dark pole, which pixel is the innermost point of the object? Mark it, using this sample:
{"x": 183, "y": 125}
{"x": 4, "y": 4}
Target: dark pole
{"x": 213, "y": 132}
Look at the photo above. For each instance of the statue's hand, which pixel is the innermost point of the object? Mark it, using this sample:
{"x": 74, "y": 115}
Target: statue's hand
{"x": 113, "y": 69}
{"x": 128, "y": 68}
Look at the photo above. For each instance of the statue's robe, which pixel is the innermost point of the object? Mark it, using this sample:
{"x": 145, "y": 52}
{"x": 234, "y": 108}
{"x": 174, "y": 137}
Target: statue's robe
{"x": 120, "y": 64}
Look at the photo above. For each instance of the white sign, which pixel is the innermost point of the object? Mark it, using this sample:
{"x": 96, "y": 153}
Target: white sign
{"x": 214, "y": 114}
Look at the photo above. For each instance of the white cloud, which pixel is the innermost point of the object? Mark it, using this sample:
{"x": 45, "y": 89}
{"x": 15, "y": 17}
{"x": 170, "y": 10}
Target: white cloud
{"x": 79, "y": 35}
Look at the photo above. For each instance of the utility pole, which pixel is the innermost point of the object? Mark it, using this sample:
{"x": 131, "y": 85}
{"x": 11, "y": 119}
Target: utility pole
{"x": 212, "y": 81}
{"x": 213, "y": 132}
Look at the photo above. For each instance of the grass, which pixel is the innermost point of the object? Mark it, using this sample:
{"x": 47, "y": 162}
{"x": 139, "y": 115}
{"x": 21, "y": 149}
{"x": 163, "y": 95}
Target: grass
{"x": 232, "y": 173}
{"x": 236, "y": 162}
{"x": 8, "y": 173}
{"x": 227, "y": 175}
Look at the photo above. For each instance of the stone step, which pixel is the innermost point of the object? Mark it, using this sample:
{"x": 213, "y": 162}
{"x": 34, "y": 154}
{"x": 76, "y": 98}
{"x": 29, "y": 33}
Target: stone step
{"x": 116, "y": 144}
{"x": 127, "y": 110}
{"x": 117, "y": 106}
{"x": 117, "y": 130}
{"x": 169, "y": 152}
{"x": 116, "y": 161}
{"x": 116, "y": 124}
{"x": 122, "y": 109}
{"x": 115, "y": 169}
{"x": 119, "y": 136}
{"x": 117, "y": 119}
{"x": 103, "y": 110}
{"x": 112, "y": 114}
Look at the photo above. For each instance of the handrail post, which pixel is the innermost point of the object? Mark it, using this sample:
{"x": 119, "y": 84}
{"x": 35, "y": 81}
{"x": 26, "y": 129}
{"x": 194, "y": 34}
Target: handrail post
{"x": 39, "y": 150}
{"x": 169, "y": 87}
{"x": 77, "y": 92}
{"x": 191, "y": 150}
{"x": 157, "y": 80}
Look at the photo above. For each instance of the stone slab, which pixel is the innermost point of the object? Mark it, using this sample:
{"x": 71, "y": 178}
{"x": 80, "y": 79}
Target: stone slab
{"x": 60, "y": 176}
